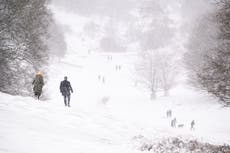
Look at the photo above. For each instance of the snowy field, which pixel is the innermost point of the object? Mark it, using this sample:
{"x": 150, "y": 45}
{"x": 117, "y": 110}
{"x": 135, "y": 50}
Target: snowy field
{"x": 105, "y": 117}
{"x": 110, "y": 111}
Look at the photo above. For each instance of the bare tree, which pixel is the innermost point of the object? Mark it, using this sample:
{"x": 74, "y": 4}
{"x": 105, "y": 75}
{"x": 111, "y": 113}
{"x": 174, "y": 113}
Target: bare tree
{"x": 168, "y": 69}
{"x": 148, "y": 69}
{"x": 154, "y": 34}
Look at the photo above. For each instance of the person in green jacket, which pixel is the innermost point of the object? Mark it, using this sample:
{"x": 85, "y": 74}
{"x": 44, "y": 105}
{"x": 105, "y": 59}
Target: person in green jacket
{"x": 38, "y": 84}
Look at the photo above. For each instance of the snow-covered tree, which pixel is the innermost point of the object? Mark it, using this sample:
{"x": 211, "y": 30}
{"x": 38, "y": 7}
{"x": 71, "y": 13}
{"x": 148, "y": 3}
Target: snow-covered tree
{"x": 148, "y": 68}
{"x": 158, "y": 70}
{"x": 154, "y": 34}
{"x": 168, "y": 70}
{"x": 209, "y": 52}
{"x": 23, "y": 51}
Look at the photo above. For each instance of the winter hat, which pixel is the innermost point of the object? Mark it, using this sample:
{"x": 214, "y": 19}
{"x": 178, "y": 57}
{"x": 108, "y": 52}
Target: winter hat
{"x": 40, "y": 73}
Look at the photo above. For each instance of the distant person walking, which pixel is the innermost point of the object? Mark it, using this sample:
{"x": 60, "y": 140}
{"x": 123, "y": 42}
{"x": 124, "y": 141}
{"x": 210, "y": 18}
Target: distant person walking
{"x": 65, "y": 89}
{"x": 38, "y": 84}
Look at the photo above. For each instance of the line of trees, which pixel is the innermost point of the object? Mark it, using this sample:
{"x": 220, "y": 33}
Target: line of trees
{"x": 208, "y": 56}
{"x": 23, "y": 48}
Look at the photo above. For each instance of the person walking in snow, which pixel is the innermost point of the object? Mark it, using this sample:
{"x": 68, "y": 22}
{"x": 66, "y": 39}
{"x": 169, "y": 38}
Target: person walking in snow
{"x": 65, "y": 89}
{"x": 38, "y": 84}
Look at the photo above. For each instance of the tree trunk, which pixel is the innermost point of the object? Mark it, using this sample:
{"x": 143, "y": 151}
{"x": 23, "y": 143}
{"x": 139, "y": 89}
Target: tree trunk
{"x": 153, "y": 95}
{"x": 166, "y": 92}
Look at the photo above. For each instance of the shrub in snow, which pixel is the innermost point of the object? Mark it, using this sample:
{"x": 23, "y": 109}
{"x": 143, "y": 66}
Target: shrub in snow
{"x": 177, "y": 145}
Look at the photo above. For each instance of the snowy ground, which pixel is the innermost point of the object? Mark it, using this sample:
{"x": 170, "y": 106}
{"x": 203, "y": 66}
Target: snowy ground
{"x": 105, "y": 117}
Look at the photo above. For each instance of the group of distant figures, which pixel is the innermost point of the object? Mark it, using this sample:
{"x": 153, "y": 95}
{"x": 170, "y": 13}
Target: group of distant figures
{"x": 102, "y": 78}
{"x": 174, "y": 121}
{"x": 65, "y": 88}
{"x": 110, "y": 58}
{"x": 118, "y": 67}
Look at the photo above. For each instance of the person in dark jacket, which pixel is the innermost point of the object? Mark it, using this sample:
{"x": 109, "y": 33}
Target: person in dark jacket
{"x": 65, "y": 89}
{"x": 38, "y": 83}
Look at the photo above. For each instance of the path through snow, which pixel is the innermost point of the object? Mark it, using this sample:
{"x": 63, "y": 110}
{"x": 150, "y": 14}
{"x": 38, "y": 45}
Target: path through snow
{"x": 104, "y": 117}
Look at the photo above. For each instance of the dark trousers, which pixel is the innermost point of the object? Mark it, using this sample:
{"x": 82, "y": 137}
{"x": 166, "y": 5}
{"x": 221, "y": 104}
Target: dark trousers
{"x": 37, "y": 94}
{"x": 67, "y": 100}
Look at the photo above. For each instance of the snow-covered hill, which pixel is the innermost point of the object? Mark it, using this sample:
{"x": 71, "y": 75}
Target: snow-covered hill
{"x": 110, "y": 112}
{"x": 119, "y": 96}
{"x": 105, "y": 117}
